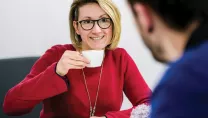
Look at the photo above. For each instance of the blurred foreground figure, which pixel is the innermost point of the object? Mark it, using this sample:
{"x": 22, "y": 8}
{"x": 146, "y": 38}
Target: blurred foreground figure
{"x": 176, "y": 32}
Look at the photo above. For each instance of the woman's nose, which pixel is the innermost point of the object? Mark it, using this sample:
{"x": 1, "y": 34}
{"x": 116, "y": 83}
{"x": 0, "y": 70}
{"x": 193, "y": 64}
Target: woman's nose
{"x": 96, "y": 28}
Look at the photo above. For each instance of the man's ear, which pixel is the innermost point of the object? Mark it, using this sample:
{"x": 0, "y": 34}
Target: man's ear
{"x": 144, "y": 16}
{"x": 75, "y": 24}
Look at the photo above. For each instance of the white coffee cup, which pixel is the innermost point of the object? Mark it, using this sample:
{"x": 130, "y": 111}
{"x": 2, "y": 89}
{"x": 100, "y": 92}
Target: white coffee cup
{"x": 94, "y": 56}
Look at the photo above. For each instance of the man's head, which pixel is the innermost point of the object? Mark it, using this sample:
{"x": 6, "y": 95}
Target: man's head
{"x": 165, "y": 25}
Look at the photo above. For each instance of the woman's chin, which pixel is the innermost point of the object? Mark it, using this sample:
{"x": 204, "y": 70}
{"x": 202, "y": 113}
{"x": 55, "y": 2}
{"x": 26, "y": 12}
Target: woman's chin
{"x": 97, "y": 47}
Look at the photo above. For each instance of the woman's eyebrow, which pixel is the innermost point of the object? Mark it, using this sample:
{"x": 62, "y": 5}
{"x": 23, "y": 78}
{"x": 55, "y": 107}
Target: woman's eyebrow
{"x": 88, "y": 17}
{"x": 103, "y": 15}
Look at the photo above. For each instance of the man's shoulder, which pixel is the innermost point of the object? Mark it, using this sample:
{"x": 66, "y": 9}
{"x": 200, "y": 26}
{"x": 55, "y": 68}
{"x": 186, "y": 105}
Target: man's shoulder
{"x": 198, "y": 54}
{"x": 191, "y": 69}
{"x": 183, "y": 90}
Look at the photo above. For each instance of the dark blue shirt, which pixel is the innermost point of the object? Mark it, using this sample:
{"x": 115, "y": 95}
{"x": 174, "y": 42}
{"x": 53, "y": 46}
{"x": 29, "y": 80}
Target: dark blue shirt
{"x": 183, "y": 90}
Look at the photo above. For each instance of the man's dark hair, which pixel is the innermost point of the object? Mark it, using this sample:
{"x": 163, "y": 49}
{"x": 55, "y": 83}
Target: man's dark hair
{"x": 178, "y": 14}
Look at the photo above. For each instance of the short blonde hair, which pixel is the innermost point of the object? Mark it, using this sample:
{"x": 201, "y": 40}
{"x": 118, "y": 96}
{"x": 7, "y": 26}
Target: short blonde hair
{"x": 109, "y": 7}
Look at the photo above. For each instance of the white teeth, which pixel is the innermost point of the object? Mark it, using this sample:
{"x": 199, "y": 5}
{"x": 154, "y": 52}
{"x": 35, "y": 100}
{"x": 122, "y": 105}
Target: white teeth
{"x": 96, "y": 38}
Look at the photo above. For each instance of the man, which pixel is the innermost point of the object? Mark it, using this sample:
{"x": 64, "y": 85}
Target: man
{"x": 176, "y": 32}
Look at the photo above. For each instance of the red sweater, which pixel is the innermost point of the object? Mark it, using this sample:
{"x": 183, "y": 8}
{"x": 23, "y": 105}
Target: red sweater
{"x": 42, "y": 84}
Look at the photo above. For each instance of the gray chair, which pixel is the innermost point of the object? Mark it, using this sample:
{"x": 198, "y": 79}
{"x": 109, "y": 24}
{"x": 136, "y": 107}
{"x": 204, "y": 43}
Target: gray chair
{"x": 12, "y": 71}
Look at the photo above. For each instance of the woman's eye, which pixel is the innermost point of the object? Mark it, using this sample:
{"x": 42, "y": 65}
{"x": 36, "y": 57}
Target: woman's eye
{"x": 105, "y": 20}
{"x": 86, "y": 21}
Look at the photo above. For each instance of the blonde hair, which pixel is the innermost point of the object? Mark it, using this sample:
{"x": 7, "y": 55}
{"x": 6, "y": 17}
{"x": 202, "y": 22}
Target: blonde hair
{"x": 109, "y": 7}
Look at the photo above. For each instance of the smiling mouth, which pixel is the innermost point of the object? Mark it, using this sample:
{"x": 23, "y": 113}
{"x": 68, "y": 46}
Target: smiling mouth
{"x": 96, "y": 38}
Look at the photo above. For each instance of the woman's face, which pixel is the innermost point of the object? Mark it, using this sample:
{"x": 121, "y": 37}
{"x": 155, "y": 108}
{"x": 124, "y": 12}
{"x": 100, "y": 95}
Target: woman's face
{"x": 95, "y": 35}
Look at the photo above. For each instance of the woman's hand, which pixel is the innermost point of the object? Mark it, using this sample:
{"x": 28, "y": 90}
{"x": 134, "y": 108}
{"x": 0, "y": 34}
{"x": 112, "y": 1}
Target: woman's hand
{"x": 70, "y": 60}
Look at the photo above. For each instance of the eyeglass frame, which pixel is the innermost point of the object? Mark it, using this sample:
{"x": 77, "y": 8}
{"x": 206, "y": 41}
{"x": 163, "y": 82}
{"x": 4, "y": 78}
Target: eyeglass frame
{"x": 80, "y": 22}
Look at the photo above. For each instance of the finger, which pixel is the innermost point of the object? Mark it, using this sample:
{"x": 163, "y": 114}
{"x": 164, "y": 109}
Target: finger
{"x": 81, "y": 57}
{"x": 74, "y": 55}
{"x": 66, "y": 61}
{"x": 75, "y": 67}
{"x": 77, "y": 63}
{"x": 85, "y": 59}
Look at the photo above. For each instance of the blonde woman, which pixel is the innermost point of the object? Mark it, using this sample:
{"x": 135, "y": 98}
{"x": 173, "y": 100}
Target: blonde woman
{"x": 61, "y": 80}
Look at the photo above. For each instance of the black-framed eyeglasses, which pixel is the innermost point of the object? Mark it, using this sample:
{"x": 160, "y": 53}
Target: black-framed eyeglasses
{"x": 103, "y": 23}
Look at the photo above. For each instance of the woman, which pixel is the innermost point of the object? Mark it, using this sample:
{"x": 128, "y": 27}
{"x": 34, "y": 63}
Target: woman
{"x": 67, "y": 88}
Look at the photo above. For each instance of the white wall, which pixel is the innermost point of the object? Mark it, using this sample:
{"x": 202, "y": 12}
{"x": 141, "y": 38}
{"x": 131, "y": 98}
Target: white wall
{"x": 29, "y": 27}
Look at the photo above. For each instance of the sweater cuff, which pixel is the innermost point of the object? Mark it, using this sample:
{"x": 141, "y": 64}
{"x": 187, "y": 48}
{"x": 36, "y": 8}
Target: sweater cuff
{"x": 66, "y": 80}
